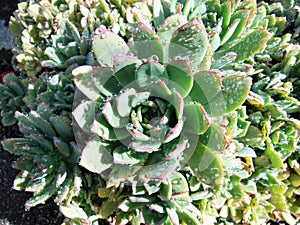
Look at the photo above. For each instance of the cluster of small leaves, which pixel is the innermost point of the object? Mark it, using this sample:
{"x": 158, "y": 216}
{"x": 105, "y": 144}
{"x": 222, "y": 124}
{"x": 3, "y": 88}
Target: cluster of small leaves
{"x": 40, "y": 26}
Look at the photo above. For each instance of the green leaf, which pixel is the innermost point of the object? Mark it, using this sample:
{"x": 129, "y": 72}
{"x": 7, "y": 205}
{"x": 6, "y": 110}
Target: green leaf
{"x": 73, "y": 211}
{"x": 150, "y": 71}
{"x": 206, "y": 166}
{"x": 246, "y": 45}
{"x": 96, "y": 156}
{"x": 178, "y": 183}
{"x": 124, "y": 69}
{"x": 107, "y": 209}
{"x": 106, "y": 45}
{"x": 147, "y": 44}
{"x": 180, "y": 76}
{"x": 111, "y": 114}
{"x": 123, "y": 155}
{"x": 123, "y": 102}
{"x": 84, "y": 82}
{"x": 189, "y": 41}
{"x": 197, "y": 120}
{"x": 101, "y": 127}
{"x": 104, "y": 81}
{"x": 188, "y": 217}
{"x": 207, "y": 84}
{"x": 84, "y": 114}
{"x": 214, "y": 138}
{"x": 167, "y": 28}
{"x": 234, "y": 92}
{"x": 273, "y": 156}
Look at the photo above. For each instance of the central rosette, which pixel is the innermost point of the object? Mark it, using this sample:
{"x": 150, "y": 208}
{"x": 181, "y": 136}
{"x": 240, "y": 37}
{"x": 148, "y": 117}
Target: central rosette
{"x": 151, "y": 118}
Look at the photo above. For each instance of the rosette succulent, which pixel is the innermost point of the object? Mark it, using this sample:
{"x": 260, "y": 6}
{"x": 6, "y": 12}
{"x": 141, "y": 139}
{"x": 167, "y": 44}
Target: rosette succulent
{"x": 151, "y": 107}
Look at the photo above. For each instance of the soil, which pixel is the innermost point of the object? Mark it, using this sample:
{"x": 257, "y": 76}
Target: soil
{"x": 12, "y": 211}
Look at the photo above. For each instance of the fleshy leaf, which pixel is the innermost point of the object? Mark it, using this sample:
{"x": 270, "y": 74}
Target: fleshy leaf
{"x": 84, "y": 82}
{"x": 207, "y": 84}
{"x": 104, "y": 81}
{"x": 150, "y": 71}
{"x": 123, "y": 155}
{"x": 106, "y": 45}
{"x": 123, "y": 102}
{"x": 180, "y": 76}
{"x": 189, "y": 41}
{"x": 102, "y": 128}
{"x": 197, "y": 120}
{"x": 96, "y": 157}
{"x": 84, "y": 114}
{"x": 124, "y": 69}
{"x": 206, "y": 166}
{"x": 247, "y": 45}
{"x": 234, "y": 92}
{"x": 147, "y": 44}
{"x": 165, "y": 31}
{"x": 214, "y": 138}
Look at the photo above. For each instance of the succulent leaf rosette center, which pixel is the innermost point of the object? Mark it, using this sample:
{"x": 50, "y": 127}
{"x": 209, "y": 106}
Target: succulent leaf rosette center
{"x": 151, "y": 103}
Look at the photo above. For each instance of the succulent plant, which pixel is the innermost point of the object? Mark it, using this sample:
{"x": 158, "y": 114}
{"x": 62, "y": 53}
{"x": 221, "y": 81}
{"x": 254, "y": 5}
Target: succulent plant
{"x": 38, "y": 25}
{"x": 145, "y": 107}
{"x": 48, "y": 156}
{"x": 11, "y": 93}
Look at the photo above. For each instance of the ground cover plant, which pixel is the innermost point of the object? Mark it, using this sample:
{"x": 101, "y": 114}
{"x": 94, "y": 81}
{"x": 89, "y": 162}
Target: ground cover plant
{"x": 157, "y": 112}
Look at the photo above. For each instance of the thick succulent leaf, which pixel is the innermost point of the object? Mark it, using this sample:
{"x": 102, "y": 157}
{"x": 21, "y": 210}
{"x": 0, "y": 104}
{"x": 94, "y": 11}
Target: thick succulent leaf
{"x": 197, "y": 120}
{"x": 160, "y": 90}
{"x": 147, "y": 44}
{"x": 180, "y": 76}
{"x": 173, "y": 216}
{"x": 101, "y": 127}
{"x": 188, "y": 217}
{"x": 159, "y": 171}
{"x": 104, "y": 81}
{"x": 139, "y": 98}
{"x": 150, "y": 71}
{"x": 247, "y": 45}
{"x": 158, "y": 12}
{"x": 84, "y": 82}
{"x": 121, "y": 173}
{"x": 106, "y": 45}
{"x": 167, "y": 28}
{"x": 206, "y": 166}
{"x": 123, "y": 155}
{"x": 107, "y": 209}
{"x": 124, "y": 69}
{"x": 189, "y": 41}
{"x": 243, "y": 16}
{"x": 229, "y": 32}
{"x": 178, "y": 104}
{"x": 145, "y": 146}
{"x": 234, "y": 92}
{"x": 96, "y": 156}
{"x": 73, "y": 211}
{"x": 207, "y": 84}
{"x": 214, "y": 138}
{"x": 84, "y": 114}
{"x": 174, "y": 132}
{"x": 123, "y": 102}
{"x": 111, "y": 114}
{"x": 179, "y": 183}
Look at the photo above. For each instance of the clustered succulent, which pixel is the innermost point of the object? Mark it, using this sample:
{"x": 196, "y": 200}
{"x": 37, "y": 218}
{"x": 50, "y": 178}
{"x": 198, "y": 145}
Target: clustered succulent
{"x": 157, "y": 112}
